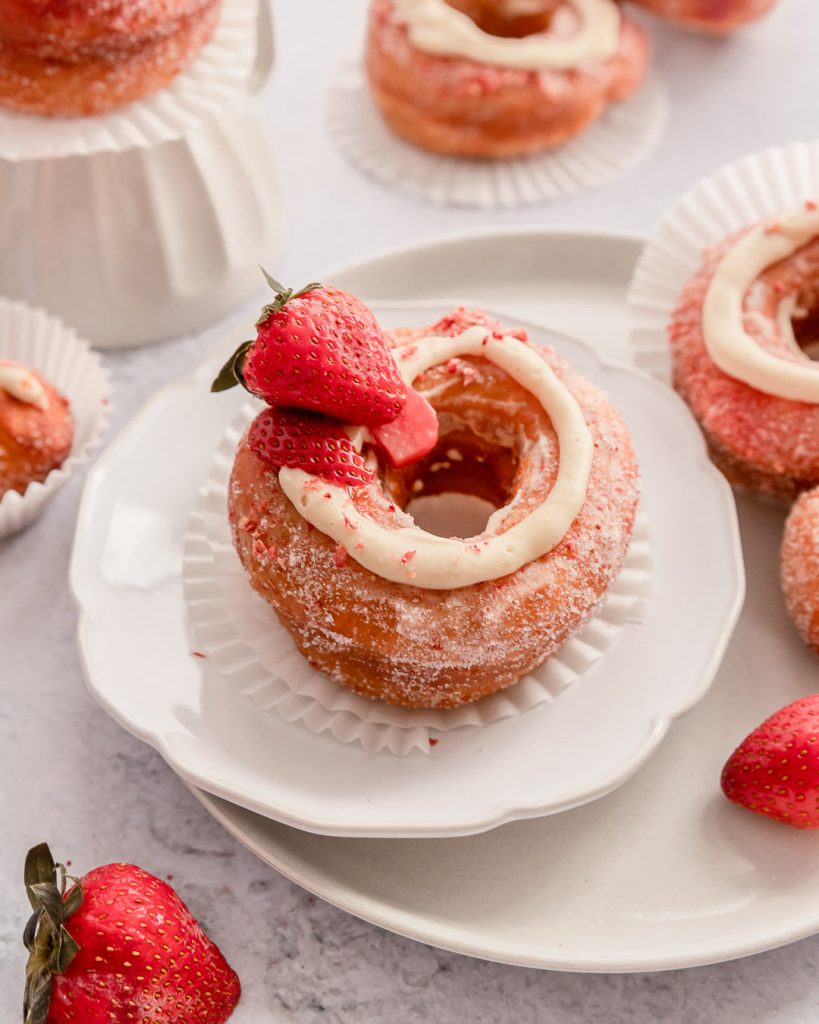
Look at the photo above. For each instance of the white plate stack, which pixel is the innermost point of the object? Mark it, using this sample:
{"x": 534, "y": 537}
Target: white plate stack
{"x": 660, "y": 872}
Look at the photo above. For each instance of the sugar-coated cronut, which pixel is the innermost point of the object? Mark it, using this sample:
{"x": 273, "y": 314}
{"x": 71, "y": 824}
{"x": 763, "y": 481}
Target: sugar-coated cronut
{"x": 33, "y": 440}
{"x": 762, "y": 442}
{"x": 800, "y": 567}
{"x": 441, "y": 648}
{"x": 75, "y": 57}
{"x": 714, "y": 16}
{"x": 457, "y": 106}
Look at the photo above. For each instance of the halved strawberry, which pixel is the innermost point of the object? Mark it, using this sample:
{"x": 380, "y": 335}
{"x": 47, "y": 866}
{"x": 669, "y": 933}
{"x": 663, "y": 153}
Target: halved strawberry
{"x": 303, "y": 440}
{"x": 412, "y": 435}
{"x": 319, "y": 349}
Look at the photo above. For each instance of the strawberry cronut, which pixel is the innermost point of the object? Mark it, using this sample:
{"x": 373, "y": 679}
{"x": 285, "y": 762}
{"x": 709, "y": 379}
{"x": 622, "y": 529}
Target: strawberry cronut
{"x": 36, "y": 428}
{"x": 418, "y": 647}
{"x": 800, "y": 567}
{"x": 714, "y": 16}
{"x": 447, "y": 103}
{"x": 762, "y": 442}
{"x": 76, "y": 57}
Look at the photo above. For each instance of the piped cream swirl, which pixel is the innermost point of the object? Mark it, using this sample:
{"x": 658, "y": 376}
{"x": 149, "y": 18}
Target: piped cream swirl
{"x": 413, "y": 556}
{"x": 436, "y": 28}
{"x": 728, "y": 344}
{"x": 21, "y": 384}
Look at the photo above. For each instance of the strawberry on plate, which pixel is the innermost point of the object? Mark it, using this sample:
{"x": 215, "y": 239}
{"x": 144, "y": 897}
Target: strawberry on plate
{"x": 319, "y": 349}
{"x": 775, "y": 770}
{"x": 309, "y": 442}
{"x": 119, "y": 947}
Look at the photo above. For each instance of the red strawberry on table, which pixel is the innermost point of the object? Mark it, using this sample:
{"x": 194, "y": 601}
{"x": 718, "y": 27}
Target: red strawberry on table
{"x": 309, "y": 442}
{"x": 775, "y": 770}
{"x": 323, "y": 350}
{"x": 119, "y": 947}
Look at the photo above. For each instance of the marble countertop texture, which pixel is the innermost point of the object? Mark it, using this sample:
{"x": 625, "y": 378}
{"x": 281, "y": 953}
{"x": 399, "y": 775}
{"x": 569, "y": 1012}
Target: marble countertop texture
{"x": 72, "y": 776}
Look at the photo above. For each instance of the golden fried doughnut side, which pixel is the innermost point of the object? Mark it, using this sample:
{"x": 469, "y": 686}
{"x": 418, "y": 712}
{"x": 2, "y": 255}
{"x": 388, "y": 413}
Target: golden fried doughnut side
{"x": 799, "y": 565}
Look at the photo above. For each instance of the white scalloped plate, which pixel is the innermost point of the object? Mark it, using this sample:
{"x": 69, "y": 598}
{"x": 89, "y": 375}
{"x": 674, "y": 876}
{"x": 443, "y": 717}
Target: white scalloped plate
{"x": 126, "y": 574}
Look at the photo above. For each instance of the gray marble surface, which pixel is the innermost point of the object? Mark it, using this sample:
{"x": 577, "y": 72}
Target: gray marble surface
{"x": 71, "y": 775}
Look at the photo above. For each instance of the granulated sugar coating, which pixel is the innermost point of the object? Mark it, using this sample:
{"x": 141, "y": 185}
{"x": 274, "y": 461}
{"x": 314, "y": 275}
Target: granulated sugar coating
{"x": 442, "y": 648}
{"x": 33, "y": 441}
{"x": 74, "y": 57}
{"x": 800, "y": 567}
{"x": 762, "y": 442}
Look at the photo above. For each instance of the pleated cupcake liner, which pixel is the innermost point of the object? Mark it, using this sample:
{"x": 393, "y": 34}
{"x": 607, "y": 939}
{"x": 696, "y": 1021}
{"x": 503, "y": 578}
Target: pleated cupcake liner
{"x": 622, "y": 137}
{"x": 241, "y": 636}
{"x": 41, "y": 342}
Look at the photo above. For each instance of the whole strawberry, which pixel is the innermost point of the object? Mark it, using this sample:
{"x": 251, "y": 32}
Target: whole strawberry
{"x": 119, "y": 947}
{"x": 775, "y": 770}
{"x": 319, "y": 349}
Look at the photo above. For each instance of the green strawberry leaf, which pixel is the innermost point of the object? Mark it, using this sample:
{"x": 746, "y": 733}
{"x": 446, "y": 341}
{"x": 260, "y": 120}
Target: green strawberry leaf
{"x": 274, "y": 284}
{"x": 48, "y": 896}
{"x": 231, "y": 373}
{"x": 73, "y": 901}
{"x": 283, "y": 296}
{"x": 307, "y": 288}
{"x": 50, "y": 947}
{"x": 67, "y": 949}
{"x": 37, "y": 998}
{"x": 39, "y": 868}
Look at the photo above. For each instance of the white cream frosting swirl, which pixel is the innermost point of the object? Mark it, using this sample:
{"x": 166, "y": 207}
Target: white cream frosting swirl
{"x": 435, "y": 27}
{"x": 728, "y": 344}
{"x": 413, "y": 556}
{"x": 21, "y": 384}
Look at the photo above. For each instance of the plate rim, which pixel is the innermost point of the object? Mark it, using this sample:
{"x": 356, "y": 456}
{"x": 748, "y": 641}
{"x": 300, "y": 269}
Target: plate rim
{"x": 351, "y": 901}
{"x": 573, "y": 231}
{"x": 658, "y": 725}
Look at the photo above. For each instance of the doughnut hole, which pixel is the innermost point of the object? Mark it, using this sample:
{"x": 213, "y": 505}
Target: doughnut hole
{"x": 496, "y": 448}
{"x": 792, "y": 283}
{"x": 508, "y": 19}
{"x": 806, "y": 325}
{"x": 455, "y": 489}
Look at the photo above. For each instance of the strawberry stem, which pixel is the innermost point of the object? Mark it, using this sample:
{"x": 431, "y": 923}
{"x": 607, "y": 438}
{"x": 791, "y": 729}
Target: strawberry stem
{"x": 51, "y": 948}
{"x": 283, "y": 296}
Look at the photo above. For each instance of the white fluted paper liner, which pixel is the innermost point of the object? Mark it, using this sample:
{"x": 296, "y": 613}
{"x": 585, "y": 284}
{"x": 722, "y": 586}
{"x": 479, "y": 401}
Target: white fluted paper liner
{"x": 750, "y": 190}
{"x": 219, "y": 75}
{"x": 240, "y": 634}
{"x": 617, "y": 141}
{"x": 35, "y": 339}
